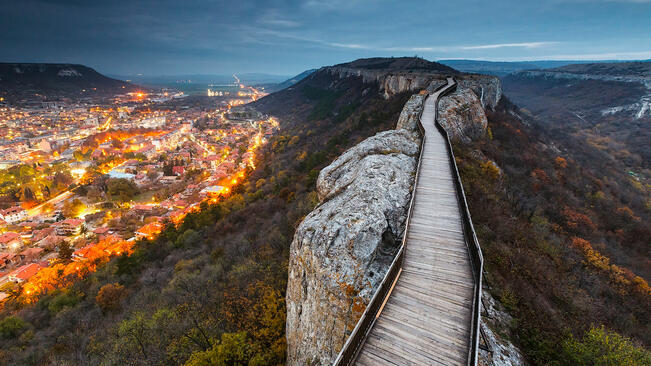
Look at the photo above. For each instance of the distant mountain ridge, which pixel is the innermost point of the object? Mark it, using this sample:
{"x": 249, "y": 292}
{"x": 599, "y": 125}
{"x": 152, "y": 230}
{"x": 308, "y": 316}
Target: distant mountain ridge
{"x": 289, "y": 82}
{"x": 24, "y": 80}
{"x": 503, "y": 68}
{"x": 636, "y": 68}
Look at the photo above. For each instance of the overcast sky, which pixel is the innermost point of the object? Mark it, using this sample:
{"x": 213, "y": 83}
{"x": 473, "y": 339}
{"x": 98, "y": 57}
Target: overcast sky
{"x": 164, "y": 37}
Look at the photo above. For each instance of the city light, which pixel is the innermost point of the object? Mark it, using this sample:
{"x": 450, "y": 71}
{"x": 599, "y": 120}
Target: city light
{"x": 91, "y": 168}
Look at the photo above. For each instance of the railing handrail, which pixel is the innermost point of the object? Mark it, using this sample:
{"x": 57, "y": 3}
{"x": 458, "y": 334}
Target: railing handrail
{"x": 474, "y": 249}
{"x": 365, "y": 323}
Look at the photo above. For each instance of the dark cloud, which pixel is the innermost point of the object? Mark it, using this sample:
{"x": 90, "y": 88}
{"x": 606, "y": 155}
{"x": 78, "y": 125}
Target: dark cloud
{"x": 285, "y": 37}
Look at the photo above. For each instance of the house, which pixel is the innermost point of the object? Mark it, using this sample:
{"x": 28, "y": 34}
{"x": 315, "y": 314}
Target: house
{"x": 82, "y": 253}
{"x": 150, "y": 230}
{"x": 13, "y": 214}
{"x": 213, "y": 191}
{"x": 213, "y": 160}
{"x": 143, "y": 208}
{"x": 70, "y": 227}
{"x": 30, "y": 254}
{"x": 102, "y": 232}
{"x": 180, "y": 204}
{"x": 10, "y": 241}
{"x": 168, "y": 179}
{"x": 6, "y": 259}
{"x": 23, "y": 273}
{"x": 41, "y": 234}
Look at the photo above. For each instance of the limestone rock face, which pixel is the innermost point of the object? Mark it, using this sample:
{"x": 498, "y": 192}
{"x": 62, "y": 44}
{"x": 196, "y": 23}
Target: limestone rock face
{"x": 504, "y": 352}
{"x": 342, "y": 249}
{"x": 390, "y": 83}
{"x": 487, "y": 88}
{"x": 411, "y": 112}
{"x": 462, "y": 115}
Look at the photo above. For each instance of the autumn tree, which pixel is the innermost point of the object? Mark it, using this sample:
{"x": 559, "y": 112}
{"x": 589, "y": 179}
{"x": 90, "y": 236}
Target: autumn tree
{"x": 232, "y": 349}
{"x": 121, "y": 189}
{"x": 11, "y": 326}
{"x": 110, "y": 297}
{"x": 65, "y": 251}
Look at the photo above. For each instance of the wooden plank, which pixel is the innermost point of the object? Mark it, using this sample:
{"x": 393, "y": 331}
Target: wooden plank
{"x": 420, "y": 340}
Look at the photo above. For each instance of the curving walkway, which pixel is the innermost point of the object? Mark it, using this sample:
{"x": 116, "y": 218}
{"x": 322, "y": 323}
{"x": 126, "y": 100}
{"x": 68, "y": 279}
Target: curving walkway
{"x": 428, "y": 315}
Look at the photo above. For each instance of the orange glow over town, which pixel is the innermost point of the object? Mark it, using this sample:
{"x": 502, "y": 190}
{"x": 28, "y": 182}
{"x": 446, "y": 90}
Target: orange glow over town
{"x": 102, "y": 177}
{"x": 87, "y": 259}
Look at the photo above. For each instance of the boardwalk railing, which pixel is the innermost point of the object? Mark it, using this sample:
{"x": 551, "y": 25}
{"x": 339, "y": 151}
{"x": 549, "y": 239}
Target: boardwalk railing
{"x": 356, "y": 339}
{"x": 474, "y": 250}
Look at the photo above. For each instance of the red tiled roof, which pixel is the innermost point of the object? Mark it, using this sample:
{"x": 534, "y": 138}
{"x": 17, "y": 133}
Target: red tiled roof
{"x": 101, "y": 230}
{"x": 83, "y": 251}
{"x": 8, "y": 237}
{"x": 26, "y": 271}
{"x": 143, "y": 207}
{"x": 72, "y": 222}
{"x": 31, "y": 251}
{"x": 11, "y": 210}
{"x": 150, "y": 229}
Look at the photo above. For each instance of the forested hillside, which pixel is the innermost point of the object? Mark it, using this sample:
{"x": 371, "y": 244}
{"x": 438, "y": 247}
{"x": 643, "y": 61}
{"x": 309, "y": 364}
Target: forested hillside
{"x": 565, "y": 241}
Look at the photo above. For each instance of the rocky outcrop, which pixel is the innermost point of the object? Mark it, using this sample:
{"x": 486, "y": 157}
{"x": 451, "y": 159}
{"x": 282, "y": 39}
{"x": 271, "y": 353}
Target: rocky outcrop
{"x": 487, "y": 88}
{"x": 343, "y": 248}
{"x": 462, "y": 115}
{"x": 548, "y": 74}
{"x": 411, "y": 112}
{"x": 390, "y": 83}
{"x": 496, "y": 329}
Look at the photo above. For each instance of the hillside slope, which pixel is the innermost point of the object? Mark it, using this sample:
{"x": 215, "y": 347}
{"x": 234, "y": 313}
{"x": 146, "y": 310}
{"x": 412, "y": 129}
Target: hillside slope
{"x": 606, "y": 107}
{"x": 24, "y": 80}
{"x": 565, "y": 240}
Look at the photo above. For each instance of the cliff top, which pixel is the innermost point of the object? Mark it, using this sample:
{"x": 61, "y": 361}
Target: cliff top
{"x": 404, "y": 64}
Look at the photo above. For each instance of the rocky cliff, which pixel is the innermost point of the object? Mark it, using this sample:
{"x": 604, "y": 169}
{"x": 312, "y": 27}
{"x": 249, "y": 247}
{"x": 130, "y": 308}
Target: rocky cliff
{"x": 638, "y": 73}
{"x": 496, "y": 329}
{"x": 390, "y": 83}
{"x": 487, "y": 88}
{"x": 342, "y": 249}
{"x": 462, "y": 115}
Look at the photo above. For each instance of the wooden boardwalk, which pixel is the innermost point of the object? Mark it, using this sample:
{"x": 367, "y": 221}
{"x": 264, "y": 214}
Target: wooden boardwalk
{"x": 427, "y": 318}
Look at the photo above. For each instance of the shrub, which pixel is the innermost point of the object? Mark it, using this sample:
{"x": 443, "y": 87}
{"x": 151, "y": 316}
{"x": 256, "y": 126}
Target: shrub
{"x": 11, "y": 327}
{"x": 110, "y": 297}
{"x": 64, "y": 299}
{"x": 601, "y": 347}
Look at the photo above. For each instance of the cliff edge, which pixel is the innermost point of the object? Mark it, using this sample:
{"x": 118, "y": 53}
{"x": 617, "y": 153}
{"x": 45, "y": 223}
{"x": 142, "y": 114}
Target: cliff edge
{"x": 342, "y": 249}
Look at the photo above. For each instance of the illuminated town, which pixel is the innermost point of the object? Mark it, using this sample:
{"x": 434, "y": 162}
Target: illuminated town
{"x": 82, "y": 181}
